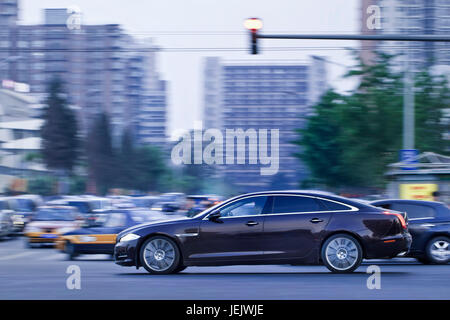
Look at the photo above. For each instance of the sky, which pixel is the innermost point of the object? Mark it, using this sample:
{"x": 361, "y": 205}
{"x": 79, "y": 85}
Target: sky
{"x": 218, "y": 24}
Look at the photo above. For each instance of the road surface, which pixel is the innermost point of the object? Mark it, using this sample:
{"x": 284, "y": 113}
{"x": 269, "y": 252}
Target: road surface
{"x": 40, "y": 273}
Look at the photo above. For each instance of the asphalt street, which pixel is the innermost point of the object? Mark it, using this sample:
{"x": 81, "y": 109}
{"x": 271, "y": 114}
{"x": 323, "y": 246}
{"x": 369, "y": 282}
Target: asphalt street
{"x": 40, "y": 273}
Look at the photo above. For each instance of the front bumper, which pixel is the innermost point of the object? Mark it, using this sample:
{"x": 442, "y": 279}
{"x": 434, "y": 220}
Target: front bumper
{"x": 125, "y": 253}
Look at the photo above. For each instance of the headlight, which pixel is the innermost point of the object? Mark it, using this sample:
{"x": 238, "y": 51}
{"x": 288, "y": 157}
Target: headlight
{"x": 129, "y": 237}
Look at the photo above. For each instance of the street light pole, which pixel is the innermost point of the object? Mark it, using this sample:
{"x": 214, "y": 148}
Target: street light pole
{"x": 408, "y": 106}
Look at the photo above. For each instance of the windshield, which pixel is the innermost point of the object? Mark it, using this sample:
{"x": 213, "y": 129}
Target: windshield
{"x": 25, "y": 205}
{"x": 208, "y": 210}
{"x": 115, "y": 220}
{"x": 54, "y": 214}
{"x": 82, "y": 206}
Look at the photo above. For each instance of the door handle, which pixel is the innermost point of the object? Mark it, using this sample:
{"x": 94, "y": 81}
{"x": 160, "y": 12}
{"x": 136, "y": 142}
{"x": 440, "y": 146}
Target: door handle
{"x": 252, "y": 223}
{"x": 316, "y": 220}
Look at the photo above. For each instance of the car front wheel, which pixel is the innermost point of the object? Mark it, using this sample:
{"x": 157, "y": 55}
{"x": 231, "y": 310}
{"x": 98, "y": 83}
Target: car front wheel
{"x": 160, "y": 255}
{"x": 341, "y": 253}
{"x": 438, "y": 250}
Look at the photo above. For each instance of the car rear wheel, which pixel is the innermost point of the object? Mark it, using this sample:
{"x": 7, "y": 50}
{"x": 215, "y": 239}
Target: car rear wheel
{"x": 341, "y": 253}
{"x": 160, "y": 255}
{"x": 69, "y": 248}
{"x": 438, "y": 250}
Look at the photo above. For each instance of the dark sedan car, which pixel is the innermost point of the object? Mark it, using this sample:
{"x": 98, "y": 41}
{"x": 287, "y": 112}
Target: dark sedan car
{"x": 429, "y": 225}
{"x": 268, "y": 228}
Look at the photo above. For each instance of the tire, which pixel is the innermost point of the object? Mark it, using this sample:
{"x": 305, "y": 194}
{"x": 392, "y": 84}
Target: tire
{"x": 423, "y": 260}
{"x": 341, "y": 253}
{"x": 28, "y": 244}
{"x": 437, "y": 250}
{"x": 160, "y": 255}
{"x": 69, "y": 248}
{"x": 179, "y": 269}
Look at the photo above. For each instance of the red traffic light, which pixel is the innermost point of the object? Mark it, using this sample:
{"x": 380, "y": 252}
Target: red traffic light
{"x": 253, "y": 24}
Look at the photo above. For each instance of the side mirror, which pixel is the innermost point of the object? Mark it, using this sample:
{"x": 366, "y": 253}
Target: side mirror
{"x": 214, "y": 216}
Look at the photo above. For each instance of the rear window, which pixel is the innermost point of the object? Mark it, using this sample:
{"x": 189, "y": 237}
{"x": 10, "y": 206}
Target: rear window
{"x": 414, "y": 211}
{"x": 293, "y": 204}
{"x": 334, "y": 206}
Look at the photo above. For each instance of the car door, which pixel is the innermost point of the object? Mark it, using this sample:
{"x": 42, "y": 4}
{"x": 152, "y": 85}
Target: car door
{"x": 293, "y": 227}
{"x": 235, "y": 235}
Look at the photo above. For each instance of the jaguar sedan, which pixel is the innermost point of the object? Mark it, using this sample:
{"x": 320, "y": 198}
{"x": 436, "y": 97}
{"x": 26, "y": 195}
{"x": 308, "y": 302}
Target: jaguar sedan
{"x": 268, "y": 228}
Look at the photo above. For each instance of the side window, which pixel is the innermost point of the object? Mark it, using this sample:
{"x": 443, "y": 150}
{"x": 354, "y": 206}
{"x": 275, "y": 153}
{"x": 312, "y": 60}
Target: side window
{"x": 293, "y": 204}
{"x": 246, "y": 207}
{"x": 334, "y": 206}
{"x": 414, "y": 211}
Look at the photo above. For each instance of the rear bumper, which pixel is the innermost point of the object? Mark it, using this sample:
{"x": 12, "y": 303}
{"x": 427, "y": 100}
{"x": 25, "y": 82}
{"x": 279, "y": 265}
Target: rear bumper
{"x": 389, "y": 247}
{"x": 37, "y": 237}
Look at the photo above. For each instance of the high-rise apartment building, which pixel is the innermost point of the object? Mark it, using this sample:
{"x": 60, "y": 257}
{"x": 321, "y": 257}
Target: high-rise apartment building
{"x": 413, "y": 17}
{"x": 103, "y": 68}
{"x": 262, "y": 95}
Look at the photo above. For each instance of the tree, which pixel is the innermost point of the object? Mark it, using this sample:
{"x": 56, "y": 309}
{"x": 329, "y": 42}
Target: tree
{"x": 350, "y": 139}
{"x": 149, "y": 168}
{"x": 319, "y": 143}
{"x": 126, "y": 161}
{"x": 59, "y": 133}
{"x": 100, "y": 154}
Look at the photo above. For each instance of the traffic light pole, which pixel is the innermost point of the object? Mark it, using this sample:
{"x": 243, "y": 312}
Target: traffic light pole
{"x": 381, "y": 37}
{"x": 408, "y": 91}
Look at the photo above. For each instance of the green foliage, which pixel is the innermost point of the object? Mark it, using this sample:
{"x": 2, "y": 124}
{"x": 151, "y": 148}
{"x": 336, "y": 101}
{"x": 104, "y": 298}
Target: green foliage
{"x": 350, "y": 139}
{"x": 59, "y": 132}
{"x": 100, "y": 154}
{"x": 149, "y": 168}
{"x": 77, "y": 185}
{"x": 42, "y": 185}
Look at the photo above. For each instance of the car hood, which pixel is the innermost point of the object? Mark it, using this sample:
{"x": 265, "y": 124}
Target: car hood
{"x": 152, "y": 224}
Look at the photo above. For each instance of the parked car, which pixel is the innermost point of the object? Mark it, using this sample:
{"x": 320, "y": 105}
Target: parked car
{"x": 101, "y": 240}
{"x": 268, "y": 228}
{"x": 50, "y": 222}
{"x": 6, "y": 218}
{"x": 429, "y": 225}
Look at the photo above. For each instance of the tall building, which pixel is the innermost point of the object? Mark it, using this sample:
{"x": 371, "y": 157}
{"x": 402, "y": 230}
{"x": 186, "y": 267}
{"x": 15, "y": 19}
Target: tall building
{"x": 103, "y": 68}
{"x": 414, "y": 17}
{"x": 262, "y": 95}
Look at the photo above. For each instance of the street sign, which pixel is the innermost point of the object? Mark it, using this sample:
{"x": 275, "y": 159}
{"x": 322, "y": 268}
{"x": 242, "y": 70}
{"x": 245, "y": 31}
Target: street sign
{"x": 409, "y": 156}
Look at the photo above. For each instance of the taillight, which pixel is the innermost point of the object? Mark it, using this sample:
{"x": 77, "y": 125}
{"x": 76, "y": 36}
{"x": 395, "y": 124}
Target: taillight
{"x": 399, "y": 216}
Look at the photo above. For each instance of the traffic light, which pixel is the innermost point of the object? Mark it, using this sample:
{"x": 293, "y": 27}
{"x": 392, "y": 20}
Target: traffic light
{"x": 253, "y": 25}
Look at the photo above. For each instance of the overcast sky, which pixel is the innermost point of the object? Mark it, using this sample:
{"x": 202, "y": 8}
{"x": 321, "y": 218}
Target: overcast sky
{"x": 183, "y": 24}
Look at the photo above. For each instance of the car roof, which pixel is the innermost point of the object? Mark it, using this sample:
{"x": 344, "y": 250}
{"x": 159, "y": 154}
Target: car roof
{"x": 56, "y": 207}
{"x": 312, "y": 193}
{"x": 410, "y": 201}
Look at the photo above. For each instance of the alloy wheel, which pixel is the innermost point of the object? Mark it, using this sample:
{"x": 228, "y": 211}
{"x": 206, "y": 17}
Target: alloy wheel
{"x": 342, "y": 253}
{"x": 159, "y": 254}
